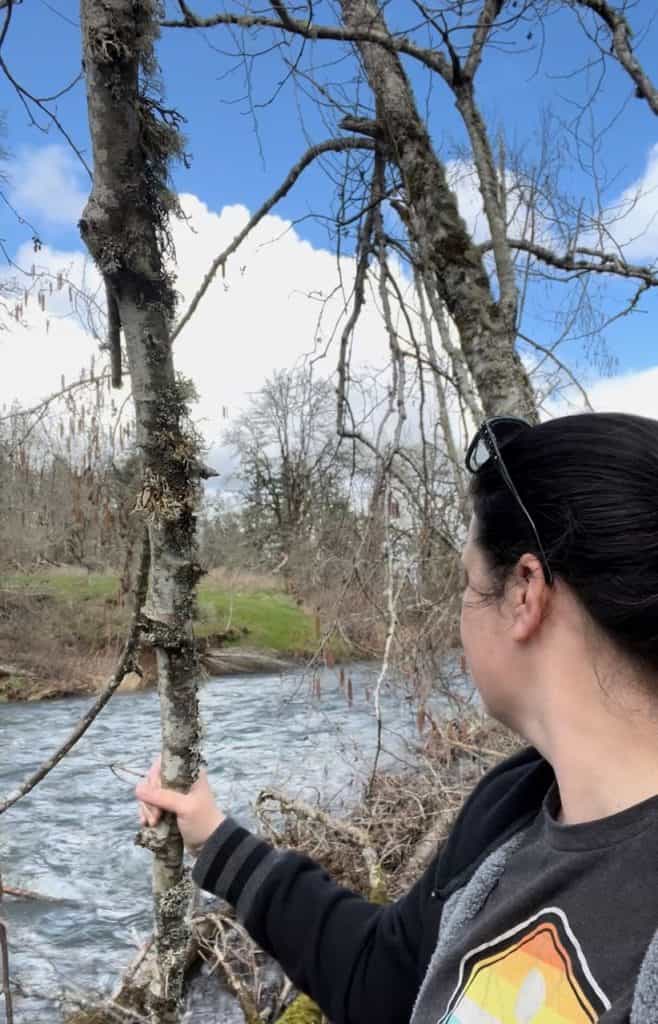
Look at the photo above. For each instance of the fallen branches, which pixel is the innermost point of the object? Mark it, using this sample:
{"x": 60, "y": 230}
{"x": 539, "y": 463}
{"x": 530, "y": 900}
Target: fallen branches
{"x": 218, "y": 948}
{"x": 355, "y": 836}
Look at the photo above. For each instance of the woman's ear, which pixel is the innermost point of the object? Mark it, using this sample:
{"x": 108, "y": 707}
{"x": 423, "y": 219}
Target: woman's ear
{"x": 528, "y": 596}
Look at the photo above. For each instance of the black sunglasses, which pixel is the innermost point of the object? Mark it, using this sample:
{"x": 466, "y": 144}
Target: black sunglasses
{"x": 492, "y": 435}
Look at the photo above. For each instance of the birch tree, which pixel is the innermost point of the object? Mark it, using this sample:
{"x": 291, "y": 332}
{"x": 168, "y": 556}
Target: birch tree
{"x": 125, "y": 226}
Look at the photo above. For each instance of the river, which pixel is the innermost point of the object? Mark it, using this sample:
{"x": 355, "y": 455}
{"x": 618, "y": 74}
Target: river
{"x": 72, "y": 839}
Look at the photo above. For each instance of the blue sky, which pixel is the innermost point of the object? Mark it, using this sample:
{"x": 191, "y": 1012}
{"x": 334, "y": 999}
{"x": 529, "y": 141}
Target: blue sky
{"x": 239, "y": 155}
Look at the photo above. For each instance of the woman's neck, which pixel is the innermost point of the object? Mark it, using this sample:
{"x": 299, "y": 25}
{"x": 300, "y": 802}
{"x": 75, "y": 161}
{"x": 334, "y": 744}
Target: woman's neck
{"x": 605, "y": 755}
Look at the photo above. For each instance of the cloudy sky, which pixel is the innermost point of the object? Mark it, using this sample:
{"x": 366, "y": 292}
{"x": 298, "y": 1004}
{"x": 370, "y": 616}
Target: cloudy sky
{"x": 264, "y": 314}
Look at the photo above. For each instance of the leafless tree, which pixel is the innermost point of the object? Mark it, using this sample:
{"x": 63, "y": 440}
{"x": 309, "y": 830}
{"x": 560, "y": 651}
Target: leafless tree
{"x": 478, "y": 287}
{"x": 292, "y": 471}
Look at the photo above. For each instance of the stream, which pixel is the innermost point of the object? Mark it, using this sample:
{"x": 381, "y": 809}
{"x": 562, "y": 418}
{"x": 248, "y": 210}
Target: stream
{"x": 71, "y": 839}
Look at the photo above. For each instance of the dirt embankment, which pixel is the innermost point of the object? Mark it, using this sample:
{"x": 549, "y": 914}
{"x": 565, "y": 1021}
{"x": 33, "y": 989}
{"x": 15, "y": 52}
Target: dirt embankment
{"x": 51, "y": 648}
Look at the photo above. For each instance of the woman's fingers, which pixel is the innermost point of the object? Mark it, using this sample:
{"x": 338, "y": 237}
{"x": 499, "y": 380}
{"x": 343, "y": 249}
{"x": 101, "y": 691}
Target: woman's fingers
{"x": 153, "y": 777}
{"x": 157, "y": 797}
{"x": 150, "y": 813}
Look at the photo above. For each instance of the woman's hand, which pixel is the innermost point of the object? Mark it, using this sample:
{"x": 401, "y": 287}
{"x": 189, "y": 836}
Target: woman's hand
{"x": 196, "y": 812}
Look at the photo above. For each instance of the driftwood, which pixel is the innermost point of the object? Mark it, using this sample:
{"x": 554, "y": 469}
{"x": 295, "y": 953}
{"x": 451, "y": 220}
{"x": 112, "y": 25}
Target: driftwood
{"x": 233, "y": 662}
{"x": 27, "y": 894}
{"x": 13, "y": 670}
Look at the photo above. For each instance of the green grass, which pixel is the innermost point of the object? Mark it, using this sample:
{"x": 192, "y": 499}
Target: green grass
{"x": 65, "y": 586}
{"x": 272, "y": 620}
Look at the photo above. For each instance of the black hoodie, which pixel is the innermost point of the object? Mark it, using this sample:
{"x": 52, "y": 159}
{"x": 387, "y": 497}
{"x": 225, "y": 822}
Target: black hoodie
{"x": 362, "y": 962}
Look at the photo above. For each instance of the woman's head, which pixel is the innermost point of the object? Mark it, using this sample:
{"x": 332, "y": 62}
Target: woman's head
{"x": 590, "y": 484}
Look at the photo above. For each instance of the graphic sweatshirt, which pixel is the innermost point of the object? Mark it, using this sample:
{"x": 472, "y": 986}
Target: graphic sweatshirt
{"x": 518, "y": 920}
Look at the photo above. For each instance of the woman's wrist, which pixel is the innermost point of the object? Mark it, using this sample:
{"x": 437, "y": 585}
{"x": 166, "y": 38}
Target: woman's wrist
{"x": 213, "y": 824}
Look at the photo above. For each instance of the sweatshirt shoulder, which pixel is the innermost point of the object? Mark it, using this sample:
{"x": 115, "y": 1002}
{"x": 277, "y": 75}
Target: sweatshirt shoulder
{"x": 504, "y": 801}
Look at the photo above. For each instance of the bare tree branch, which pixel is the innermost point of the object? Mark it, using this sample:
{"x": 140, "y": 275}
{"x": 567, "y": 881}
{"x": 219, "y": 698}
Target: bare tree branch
{"x": 27, "y": 97}
{"x": 490, "y": 11}
{"x": 599, "y": 262}
{"x": 396, "y": 44}
{"x": 330, "y": 146}
{"x": 621, "y": 34}
{"x": 9, "y": 5}
{"x": 562, "y": 366}
{"x": 125, "y": 664}
{"x": 4, "y": 963}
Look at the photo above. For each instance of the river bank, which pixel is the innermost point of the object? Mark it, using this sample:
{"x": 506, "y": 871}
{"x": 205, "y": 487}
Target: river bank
{"x": 61, "y": 632}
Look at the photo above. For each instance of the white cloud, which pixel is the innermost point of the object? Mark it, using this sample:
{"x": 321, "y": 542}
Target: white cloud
{"x": 53, "y": 343}
{"x": 278, "y": 301}
{"x": 636, "y": 211}
{"x": 632, "y": 392}
{"x": 631, "y": 217}
{"x": 263, "y": 315}
{"x": 628, "y": 392}
{"x": 48, "y": 184}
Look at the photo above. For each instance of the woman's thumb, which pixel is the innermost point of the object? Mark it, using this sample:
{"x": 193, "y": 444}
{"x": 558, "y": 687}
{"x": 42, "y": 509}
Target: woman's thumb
{"x": 165, "y": 799}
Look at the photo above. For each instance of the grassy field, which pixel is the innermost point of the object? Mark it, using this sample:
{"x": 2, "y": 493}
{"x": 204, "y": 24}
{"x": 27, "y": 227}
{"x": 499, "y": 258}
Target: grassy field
{"x": 262, "y": 616}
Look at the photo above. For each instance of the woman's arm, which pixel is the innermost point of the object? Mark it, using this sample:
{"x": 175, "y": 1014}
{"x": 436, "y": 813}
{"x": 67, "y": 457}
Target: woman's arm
{"x": 361, "y": 962}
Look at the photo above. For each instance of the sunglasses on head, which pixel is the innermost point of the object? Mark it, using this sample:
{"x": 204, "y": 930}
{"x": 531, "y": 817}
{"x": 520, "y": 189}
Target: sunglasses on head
{"x": 494, "y": 434}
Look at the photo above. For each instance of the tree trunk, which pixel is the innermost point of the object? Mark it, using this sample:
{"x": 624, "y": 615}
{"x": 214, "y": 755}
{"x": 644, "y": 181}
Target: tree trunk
{"x": 124, "y": 225}
{"x": 446, "y": 252}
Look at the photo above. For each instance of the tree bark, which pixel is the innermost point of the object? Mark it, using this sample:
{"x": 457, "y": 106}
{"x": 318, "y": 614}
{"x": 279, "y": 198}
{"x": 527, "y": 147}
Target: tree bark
{"x": 124, "y": 225}
{"x": 446, "y": 251}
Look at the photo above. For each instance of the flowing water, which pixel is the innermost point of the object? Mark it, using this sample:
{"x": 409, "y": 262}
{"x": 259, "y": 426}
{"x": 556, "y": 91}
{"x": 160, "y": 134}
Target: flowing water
{"x": 72, "y": 838}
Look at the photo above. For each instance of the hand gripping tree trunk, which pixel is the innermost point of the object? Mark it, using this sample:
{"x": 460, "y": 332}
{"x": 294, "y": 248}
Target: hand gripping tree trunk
{"x": 447, "y": 256}
{"x": 124, "y": 225}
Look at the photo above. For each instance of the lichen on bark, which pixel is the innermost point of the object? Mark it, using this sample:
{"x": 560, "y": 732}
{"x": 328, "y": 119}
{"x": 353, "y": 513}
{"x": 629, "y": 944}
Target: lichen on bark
{"x": 125, "y": 225}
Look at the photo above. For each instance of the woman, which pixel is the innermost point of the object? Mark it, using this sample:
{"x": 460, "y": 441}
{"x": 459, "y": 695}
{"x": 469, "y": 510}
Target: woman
{"x": 541, "y": 907}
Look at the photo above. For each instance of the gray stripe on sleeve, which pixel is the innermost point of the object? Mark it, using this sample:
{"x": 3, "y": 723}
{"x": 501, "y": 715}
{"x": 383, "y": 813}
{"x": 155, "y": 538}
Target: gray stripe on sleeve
{"x": 256, "y": 879}
{"x": 234, "y": 863}
{"x": 211, "y": 848}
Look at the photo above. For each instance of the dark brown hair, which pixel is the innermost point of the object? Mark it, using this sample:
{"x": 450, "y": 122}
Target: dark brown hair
{"x": 590, "y": 483}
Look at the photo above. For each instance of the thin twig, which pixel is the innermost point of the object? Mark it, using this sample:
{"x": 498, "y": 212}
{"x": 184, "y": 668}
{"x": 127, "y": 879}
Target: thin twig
{"x": 4, "y": 959}
{"x": 329, "y": 146}
{"x": 125, "y": 664}
{"x": 308, "y": 30}
{"x": 562, "y": 366}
